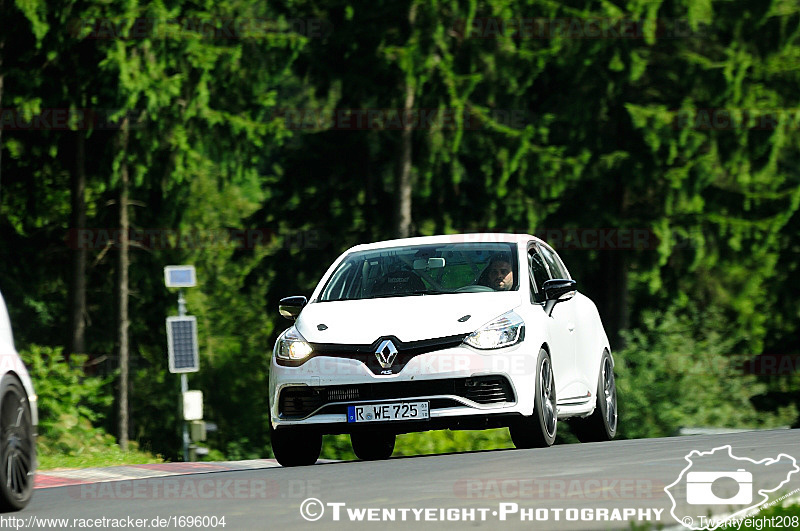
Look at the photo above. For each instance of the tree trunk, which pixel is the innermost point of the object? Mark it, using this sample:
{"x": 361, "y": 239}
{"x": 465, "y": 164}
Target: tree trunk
{"x": 613, "y": 304}
{"x": 402, "y": 217}
{"x": 124, "y": 225}
{"x": 613, "y": 307}
{"x": 77, "y": 303}
{"x": 403, "y": 188}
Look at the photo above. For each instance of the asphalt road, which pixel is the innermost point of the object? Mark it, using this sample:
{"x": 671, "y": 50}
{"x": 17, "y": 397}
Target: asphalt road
{"x": 475, "y": 489}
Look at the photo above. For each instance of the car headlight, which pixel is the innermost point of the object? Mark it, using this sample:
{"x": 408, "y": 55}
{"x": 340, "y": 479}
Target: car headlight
{"x": 506, "y": 330}
{"x": 292, "y": 346}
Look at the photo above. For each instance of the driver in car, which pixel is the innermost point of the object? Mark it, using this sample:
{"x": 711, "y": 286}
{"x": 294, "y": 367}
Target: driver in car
{"x": 499, "y": 275}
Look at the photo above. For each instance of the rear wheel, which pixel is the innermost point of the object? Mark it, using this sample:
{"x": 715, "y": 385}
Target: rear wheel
{"x": 539, "y": 429}
{"x": 295, "y": 448}
{"x": 371, "y": 446}
{"x": 17, "y": 446}
{"x": 602, "y": 424}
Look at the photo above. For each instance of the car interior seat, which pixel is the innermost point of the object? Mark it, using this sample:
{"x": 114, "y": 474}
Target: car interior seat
{"x": 397, "y": 283}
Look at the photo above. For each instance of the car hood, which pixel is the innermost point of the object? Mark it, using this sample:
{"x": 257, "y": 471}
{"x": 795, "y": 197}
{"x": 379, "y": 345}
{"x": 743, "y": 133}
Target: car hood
{"x": 410, "y": 318}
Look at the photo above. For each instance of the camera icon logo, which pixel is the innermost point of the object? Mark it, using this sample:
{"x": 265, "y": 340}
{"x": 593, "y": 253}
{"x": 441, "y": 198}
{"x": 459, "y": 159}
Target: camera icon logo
{"x": 699, "y": 488}
{"x": 718, "y": 481}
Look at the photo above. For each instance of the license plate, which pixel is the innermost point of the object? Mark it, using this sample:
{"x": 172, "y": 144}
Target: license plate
{"x": 388, "y": 411}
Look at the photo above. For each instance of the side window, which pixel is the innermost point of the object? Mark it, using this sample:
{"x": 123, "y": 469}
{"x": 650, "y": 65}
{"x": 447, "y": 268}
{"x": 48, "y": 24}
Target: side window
{"x": 335, "y": 289}
{"x": 538, "y": 274}
{"x": 557, "y": 269}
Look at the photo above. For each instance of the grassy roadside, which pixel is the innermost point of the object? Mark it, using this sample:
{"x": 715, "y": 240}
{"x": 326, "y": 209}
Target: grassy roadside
{"x": 91, "y": 456}
{"x": 71, "y": 406}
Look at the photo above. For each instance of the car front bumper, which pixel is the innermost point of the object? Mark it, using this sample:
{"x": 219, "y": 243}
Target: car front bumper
{"x": 466, "y": 389}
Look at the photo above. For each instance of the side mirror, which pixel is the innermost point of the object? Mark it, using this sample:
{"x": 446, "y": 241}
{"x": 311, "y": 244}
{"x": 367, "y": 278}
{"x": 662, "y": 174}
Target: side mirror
{"x": 290, "y": 307}
{"x": 556, "y": 291}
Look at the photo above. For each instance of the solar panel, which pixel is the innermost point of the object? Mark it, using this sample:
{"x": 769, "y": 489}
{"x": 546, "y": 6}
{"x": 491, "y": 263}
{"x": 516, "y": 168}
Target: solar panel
{"x": 182, "y": 276}
{"x": 182, "y": 344}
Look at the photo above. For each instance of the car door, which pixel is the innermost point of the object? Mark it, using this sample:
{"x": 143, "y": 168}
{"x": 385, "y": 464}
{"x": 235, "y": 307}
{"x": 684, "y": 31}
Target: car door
{"x": 560, "y": 323}
{"x": 577, "y": 314}
{"x": 590, "y": 339}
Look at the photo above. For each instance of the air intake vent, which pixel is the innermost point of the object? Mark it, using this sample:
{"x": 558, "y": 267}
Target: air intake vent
{"x": 341, "y": 394}
{"x": 299, "y": 401}
{"x": 486, "y": 390}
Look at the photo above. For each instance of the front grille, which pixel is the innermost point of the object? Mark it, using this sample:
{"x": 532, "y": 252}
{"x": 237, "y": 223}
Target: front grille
{"x": 342, "y": 394}
{"x": 301, "y": 401}
{"x": 406, "y": 351}
{"x": 486, "y": 390}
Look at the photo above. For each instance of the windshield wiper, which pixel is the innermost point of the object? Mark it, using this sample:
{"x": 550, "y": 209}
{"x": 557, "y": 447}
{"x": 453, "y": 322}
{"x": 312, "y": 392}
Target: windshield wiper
{"x": 406, "y": 293}
{"x": 427, "y": 292}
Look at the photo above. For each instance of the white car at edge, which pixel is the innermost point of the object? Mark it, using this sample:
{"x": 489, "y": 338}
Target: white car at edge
{"x": 18, "y": 421}
{"x": 443, "y": 332}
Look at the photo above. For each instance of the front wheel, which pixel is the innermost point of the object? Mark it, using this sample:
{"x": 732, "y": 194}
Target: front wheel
{"x": 295, "y": 448}
{"x": 539, "y": 429}
{"x": 602, "y": 424}
{"x": 370, "y": 446}
{"x": 17, "y": 446}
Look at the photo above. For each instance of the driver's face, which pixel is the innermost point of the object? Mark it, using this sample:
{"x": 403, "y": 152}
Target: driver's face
{"x": 501, "y": 277}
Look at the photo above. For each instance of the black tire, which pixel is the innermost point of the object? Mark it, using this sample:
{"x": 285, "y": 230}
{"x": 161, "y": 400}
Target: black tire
{"x": 17, "y": 446}
{"x": 295, "y": 448}
{"x": 601, "y": 425}
{"x": 372, "y": 446}
{"x": 539, "y": 429}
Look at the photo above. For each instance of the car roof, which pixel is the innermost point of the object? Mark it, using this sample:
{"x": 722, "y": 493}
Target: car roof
{"x": 478, "y": 237}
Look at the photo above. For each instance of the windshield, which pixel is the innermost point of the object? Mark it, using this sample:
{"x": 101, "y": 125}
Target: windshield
{"x": 424, "y": 270}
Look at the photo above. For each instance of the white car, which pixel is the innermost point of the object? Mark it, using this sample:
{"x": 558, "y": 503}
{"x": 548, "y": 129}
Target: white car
{"x": 443, "y": 332}
{"x": 18, "y": 421}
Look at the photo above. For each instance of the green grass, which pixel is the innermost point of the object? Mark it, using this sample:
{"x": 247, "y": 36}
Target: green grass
{"x": 438, "y": 442}
{"x": 94, "y": 455}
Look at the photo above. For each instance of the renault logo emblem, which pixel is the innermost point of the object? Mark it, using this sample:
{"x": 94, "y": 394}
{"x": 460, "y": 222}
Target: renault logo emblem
{"x": 386, "y": 353}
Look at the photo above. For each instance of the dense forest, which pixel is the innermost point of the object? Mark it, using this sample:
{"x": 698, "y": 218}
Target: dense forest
{"x": 654, "y": 144}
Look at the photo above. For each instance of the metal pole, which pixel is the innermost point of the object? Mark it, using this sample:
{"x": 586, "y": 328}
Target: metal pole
{"x": 181, "y": 303}
{"x": 184, "y": 388}
{"x": 184, "y": 383}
